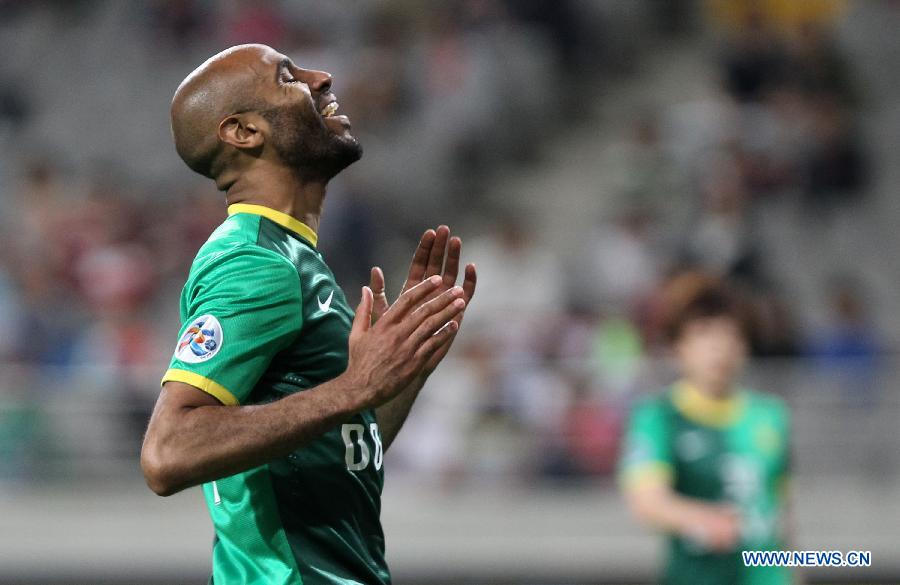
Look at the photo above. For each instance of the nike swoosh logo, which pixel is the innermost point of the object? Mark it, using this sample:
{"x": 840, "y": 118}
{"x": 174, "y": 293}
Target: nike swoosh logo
{"x": 325, "y": 306}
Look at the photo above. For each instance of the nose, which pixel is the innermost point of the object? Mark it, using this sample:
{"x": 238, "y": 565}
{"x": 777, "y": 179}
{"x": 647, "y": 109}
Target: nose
{"x": 318, "y": 81}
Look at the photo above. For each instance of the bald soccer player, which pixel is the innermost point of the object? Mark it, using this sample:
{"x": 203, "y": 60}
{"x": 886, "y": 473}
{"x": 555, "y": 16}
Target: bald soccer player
{"x": 280, "y": 400}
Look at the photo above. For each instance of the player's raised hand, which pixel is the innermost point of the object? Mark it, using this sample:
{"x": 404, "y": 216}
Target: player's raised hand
{"x": 387, "y": 356}
{"x": 441, "y": 259}
{"x": 448, "y": 279}
{"x": 415, "y": 276}
{"x": 437, "y": 254}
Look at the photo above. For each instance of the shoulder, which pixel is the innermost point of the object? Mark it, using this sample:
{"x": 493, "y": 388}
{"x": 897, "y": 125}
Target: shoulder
{"x": 234, "y": 245}
{"x": 231, "y": 262}
{"x": 239, "y": 232}
{"x": 767, "y": 405}
{"x": 241, "y": 260}
{"x": 651, "y": 408}
{"x": 646, "y": 456}
{"x": 658, "y": 401}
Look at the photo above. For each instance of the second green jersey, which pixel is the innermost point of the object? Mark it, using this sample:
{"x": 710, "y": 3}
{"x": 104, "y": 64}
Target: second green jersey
{"x": 263, "y": 318}
{"x": 729, "y": 451}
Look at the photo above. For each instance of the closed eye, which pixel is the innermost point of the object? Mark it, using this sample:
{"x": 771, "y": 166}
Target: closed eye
{"x": 284, "y": 73}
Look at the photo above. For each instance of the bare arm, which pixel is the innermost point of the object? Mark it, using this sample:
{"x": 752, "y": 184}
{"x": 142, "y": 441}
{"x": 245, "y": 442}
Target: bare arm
{"x": 393, "y": 414}
{"x": 437, "y": 254}
{"x": 192, "y": 438}
{"x": 659, "y": 506}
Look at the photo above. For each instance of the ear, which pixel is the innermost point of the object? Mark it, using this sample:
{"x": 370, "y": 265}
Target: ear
{"x": 242, "y": 131}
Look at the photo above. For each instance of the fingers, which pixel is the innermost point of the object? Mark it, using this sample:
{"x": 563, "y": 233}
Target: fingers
{"x": 420, "y": 259}
{"x": 376, "y": 281}
{"x": 434, "y": 314}
{"x": 363, "y": 318}
{"x": 436, "y": 355}
{"x": 436, "y": 347}
{"x": 436, "y": 258}
{"x": 436, "y": 322}
{"x": 411, "y": 298}
{"x": 468, "y": 286}
{"x": 471, "y": 279}
{"x": 451, "y": 268}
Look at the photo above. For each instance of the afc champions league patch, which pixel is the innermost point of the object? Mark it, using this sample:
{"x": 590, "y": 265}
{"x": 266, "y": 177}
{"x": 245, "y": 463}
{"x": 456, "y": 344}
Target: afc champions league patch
{"x": 200, "y": 341}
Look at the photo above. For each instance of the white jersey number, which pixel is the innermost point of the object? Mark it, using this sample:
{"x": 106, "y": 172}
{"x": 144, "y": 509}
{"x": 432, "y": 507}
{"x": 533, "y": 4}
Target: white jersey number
{"x": 357, "y": 454}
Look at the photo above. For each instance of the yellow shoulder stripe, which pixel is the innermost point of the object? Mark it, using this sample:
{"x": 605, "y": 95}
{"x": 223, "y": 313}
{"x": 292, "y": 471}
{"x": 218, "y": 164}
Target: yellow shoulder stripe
{"x": 196, "y": 380}
{"x": 652, "y": 472}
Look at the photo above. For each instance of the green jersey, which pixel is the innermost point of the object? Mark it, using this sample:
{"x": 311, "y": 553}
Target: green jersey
{"x": 263, "y": 318}
{"x": 730, "y": 451}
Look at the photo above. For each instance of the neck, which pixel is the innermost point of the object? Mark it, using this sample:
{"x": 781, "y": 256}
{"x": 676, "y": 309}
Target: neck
{"x": 704, "y": 408}
{"x": 711, "y": 388}
{"x": 282, "y": 190}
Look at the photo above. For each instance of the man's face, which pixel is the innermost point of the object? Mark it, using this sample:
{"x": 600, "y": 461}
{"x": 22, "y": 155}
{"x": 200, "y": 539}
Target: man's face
{"x": 306, "y": 131}
{"x": 712, "y": 350}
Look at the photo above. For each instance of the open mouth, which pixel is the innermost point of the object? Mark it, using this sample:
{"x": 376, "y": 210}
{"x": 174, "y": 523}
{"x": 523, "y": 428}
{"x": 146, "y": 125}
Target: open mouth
{"x": 330, "y": 109}
{"x": 337, "y": 122}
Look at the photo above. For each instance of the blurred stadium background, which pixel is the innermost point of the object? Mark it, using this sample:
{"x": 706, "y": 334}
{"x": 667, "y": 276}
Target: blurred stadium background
{"x": 585, "y": 150}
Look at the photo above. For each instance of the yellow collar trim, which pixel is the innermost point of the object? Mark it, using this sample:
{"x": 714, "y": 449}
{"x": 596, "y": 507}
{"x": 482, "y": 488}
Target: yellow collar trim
{"x": 706, "y": 410}
{"x": 282, "y": 219}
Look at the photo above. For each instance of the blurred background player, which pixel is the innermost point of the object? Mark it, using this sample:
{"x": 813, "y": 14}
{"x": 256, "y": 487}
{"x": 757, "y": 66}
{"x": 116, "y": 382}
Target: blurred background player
{"x": 706, "y": 461}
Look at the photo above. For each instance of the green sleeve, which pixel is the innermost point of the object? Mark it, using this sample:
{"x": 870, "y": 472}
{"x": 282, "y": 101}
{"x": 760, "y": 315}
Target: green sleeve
{"x": 647, "y": 451}
{"x": 239, "y": 310}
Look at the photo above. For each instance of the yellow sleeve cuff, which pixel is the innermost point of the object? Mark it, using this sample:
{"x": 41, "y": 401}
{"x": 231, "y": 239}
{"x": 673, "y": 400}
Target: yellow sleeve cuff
{"x": 655, "y": 472}
{"x": 196, "y": 380}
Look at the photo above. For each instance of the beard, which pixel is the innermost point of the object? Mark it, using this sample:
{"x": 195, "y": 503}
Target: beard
{"x": 303, "y": 141}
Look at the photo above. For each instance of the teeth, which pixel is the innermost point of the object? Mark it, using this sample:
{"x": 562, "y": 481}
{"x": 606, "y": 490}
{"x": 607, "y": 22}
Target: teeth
{"x": 330, "y": 109}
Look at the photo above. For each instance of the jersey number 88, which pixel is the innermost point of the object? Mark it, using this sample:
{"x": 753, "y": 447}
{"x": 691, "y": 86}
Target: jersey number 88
{"x": 357, "y": 454}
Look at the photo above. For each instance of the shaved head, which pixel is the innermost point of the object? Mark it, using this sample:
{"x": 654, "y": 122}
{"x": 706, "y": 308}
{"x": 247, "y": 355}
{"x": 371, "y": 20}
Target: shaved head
{"x": 225, "y": 84}
{"x": 256, "y": 79}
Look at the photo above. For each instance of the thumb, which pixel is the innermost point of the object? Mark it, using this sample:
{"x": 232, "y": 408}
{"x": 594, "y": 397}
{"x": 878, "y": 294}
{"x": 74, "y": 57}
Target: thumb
{"x": 376, "y": 281}
{"x": 379, "y": 300}
{"x": 363, "y": 318}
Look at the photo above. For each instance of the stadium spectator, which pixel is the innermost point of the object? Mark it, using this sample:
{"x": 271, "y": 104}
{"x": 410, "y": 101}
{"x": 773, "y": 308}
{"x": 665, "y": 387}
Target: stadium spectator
{"x": 756, "y": 60}
{"x": 619, "y": 263}
{"x": 722, "y": 240}
{"x": 835, "y": 170}
{"x": 846, "y": 349}
{"x": 509, "y": 256}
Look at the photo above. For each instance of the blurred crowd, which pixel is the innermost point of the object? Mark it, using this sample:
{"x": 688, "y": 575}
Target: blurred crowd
{"x": 441, "y": 95}
{"x": 565, "y": 344}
